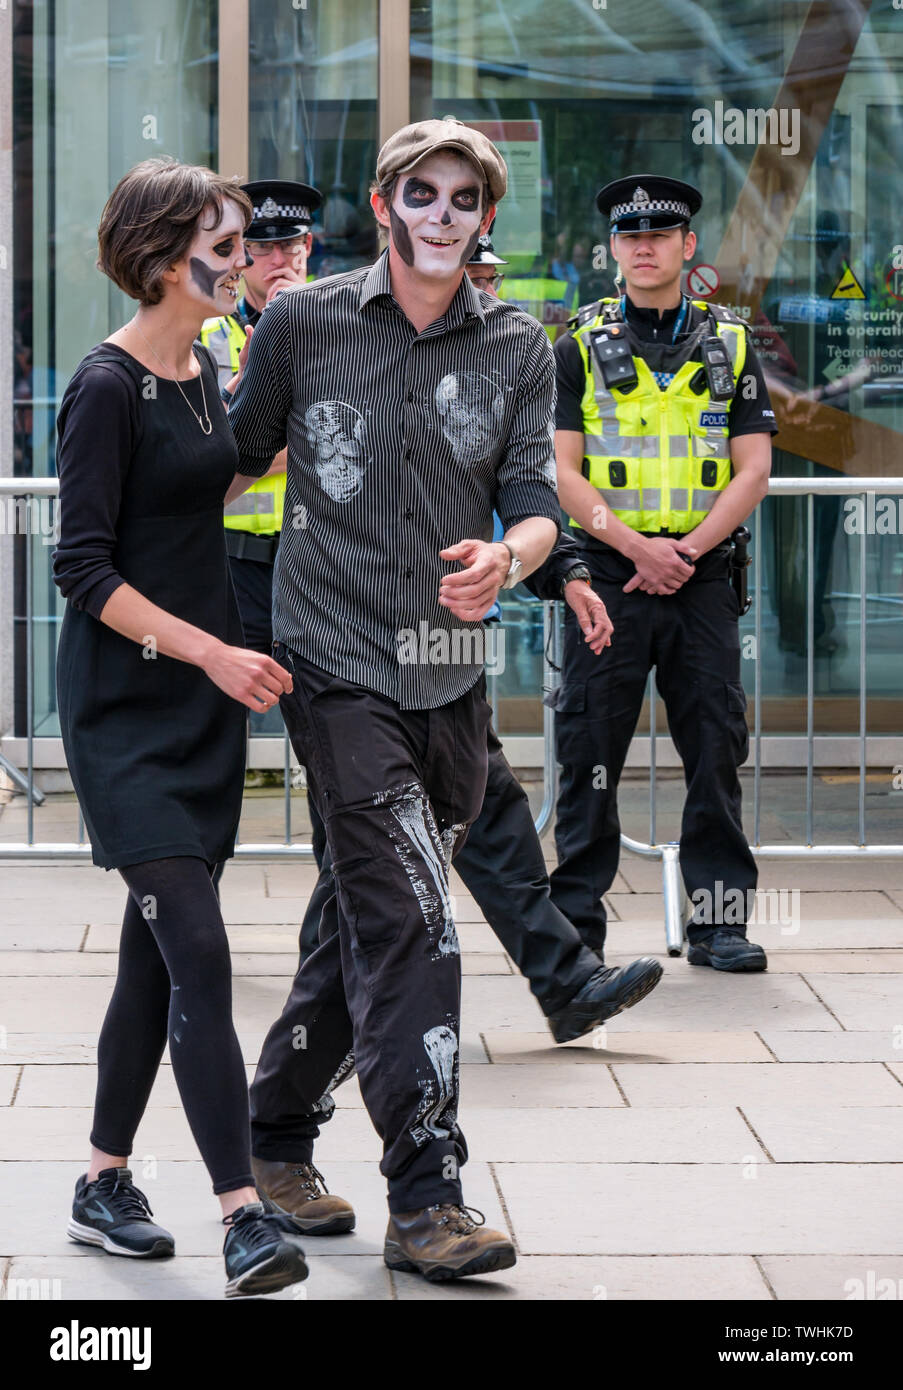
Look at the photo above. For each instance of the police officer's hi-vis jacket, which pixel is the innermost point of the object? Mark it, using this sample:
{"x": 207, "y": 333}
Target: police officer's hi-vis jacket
{"x": 658, "y": 455}
{"x": 259, "y": 509}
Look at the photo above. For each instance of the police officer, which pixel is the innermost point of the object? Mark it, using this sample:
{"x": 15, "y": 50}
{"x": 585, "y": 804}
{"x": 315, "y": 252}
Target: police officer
{"x": 482, "y": 268}
{"x": 663, "y": 446}
{"x": 278, "y": 242}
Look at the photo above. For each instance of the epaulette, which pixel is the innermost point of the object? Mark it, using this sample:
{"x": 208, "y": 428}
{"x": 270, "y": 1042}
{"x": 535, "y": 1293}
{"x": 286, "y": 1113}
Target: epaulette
{"x": 587, "y": 312}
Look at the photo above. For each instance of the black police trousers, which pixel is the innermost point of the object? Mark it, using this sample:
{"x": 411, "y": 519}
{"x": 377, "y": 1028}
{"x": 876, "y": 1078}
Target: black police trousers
{"x": 396, "y": 790}
{"x": 692, "y": 638}
{"x": 501, "y": 863}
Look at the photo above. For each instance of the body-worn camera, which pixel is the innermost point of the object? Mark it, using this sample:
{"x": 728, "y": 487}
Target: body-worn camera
{"x": 718, "y": 370}
{"x": 614, "y": 357}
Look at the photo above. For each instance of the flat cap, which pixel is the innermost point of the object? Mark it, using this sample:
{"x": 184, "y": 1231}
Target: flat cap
{"x": 414, "y": 142}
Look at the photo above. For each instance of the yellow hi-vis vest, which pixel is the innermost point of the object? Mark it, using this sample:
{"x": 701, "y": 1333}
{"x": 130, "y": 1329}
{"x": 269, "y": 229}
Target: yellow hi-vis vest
{"x": 259, "y": 510}
{"x": 671, "y": 446}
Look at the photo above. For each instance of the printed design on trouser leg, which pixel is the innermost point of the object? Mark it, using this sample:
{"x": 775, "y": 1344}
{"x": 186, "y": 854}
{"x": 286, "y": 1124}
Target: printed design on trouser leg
{"x": 437, "y": 1117}
{"x": 326, "y": 1105}
{"x": 415, "y": 835}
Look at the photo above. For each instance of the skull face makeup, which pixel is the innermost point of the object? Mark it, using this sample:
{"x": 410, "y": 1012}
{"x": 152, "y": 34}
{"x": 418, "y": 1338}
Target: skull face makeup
{"x": 216, "y": 259}
{"x": 436, "y": 214}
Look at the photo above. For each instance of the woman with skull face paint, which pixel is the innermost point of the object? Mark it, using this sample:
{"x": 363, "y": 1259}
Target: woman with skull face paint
{"x": 152, "y": 678}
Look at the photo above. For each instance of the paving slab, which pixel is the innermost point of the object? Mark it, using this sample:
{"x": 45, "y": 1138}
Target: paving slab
{"x": 710, "y": 1135}
{"x": 686, "y": 998}
{"x": 832, "y": 1134}
{"x": 601, "y": 1277}
{"x": 57, "y": 1133}
{"x": 9, "y": 1077}
{"x": 647, "y": 936}
{"x": 536, "y": 1088}
{"x": 850, "y": 962}
{"x": 897, "y": 1071}
{"x": 797, "y": 1085}
{"x": 862, "y": 1001}
{"x": 37, "y": 935}
{"x": 811, "y": 1046}
{"x": 191, "y": 1278}
{"x": 847, "y": 1277}
{"x": 610, "y": 1044}
{"x": 675, "y": 1208}
{"x": 27, "y": 1048}
{"x": 533, "y": 1088}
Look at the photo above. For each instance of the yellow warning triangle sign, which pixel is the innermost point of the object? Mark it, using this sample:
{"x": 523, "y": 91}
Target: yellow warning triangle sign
{"x": 848, "y": 287}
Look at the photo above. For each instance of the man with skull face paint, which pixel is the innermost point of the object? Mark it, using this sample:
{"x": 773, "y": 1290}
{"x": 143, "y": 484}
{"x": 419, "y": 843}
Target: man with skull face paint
{"x": 399, "y": 456}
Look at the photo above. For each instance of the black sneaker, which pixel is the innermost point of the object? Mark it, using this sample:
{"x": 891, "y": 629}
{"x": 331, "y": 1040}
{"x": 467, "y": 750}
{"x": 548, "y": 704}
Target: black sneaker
{"x": 607, "y": 992}
{"x": 113, "y": 1214}
{"x": 262, "y": 1251}
{"x": 727, "y": 950}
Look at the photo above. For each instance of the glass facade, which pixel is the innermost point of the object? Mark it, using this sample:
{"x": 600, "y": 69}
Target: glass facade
{"x": 788, "y": 119}
{"x": 788, "y": 116}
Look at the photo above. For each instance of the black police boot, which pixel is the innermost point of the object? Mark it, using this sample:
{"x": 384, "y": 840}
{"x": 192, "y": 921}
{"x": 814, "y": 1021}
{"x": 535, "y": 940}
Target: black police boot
{"x": 607, "y": 992}
{"x": 727, "y": 950}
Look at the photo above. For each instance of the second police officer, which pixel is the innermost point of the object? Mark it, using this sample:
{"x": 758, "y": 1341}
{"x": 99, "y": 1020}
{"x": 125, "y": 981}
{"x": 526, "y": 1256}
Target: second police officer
{"x": 663, "y": 448}
{"x": 278, "y": 242}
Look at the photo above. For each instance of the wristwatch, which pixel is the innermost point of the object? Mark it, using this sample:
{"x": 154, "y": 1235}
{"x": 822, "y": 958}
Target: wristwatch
{"x": 225, "y": 395}
{"x": 575, "y": 572}
{"x": 515, "y": 569}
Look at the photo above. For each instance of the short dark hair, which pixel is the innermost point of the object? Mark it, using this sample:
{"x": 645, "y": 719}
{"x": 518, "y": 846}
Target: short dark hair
{"x": 151, "y": 219}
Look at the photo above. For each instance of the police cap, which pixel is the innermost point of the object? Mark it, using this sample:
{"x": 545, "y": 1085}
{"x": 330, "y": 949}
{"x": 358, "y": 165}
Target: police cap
{"x": 484, "y": 253}
{"x": 648, "y": 203}
{"x": 281, "y": 210}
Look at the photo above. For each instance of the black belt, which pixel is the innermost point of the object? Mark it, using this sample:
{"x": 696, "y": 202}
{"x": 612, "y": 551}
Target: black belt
{"x": 243, "y": 545}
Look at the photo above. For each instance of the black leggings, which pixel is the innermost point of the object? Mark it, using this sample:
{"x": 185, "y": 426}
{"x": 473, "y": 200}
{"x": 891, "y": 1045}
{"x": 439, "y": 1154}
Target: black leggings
{"x": 175, "y": 979}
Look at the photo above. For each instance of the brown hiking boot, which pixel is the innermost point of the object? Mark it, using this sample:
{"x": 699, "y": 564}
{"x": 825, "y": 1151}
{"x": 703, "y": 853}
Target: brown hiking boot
{"x": 444, "y": 1242}
{"x": 299, "y": 1190}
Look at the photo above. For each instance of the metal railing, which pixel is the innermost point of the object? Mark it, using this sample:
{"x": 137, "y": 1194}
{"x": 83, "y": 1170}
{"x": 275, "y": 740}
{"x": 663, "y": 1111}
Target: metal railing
{"x": 665, "y": 851}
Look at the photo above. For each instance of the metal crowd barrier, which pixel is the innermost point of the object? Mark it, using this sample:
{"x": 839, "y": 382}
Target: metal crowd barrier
{"x": 666, "y": 851}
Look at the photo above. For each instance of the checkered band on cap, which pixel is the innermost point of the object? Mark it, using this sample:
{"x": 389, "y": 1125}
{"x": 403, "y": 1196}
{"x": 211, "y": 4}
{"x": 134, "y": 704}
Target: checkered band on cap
{"x": 649, "y": 206}
{"x": 292, "y": 212}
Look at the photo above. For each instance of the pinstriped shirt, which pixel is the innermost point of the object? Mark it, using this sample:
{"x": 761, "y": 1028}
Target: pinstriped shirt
{"x": 400, "y": 444}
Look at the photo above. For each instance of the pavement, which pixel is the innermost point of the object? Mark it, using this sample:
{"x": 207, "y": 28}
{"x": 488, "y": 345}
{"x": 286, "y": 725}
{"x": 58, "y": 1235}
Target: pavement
{"x": 729, "y": 1138}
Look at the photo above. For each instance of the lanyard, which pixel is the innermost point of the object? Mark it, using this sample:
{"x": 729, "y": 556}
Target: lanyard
{"x": 678, "y": 322}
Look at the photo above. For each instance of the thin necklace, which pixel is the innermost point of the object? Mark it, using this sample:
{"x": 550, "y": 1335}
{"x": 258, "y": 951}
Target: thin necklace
{"x": 204, "y": 421}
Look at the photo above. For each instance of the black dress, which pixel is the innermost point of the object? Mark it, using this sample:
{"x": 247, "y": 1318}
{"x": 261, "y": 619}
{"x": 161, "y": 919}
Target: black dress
{"x": 155, "y": 749}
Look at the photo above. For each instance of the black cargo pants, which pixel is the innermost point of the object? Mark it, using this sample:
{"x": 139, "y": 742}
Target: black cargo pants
{"x": 692, "y": 639}
{"x": 397, "y": 790}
